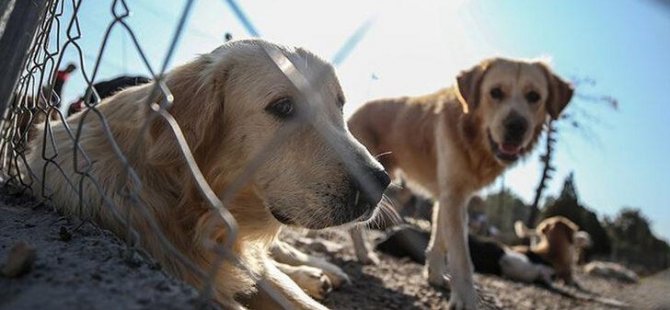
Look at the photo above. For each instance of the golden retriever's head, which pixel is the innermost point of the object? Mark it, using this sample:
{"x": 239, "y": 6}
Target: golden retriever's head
{"x": 244, "y": 118}
{"x": 512, "y": 100}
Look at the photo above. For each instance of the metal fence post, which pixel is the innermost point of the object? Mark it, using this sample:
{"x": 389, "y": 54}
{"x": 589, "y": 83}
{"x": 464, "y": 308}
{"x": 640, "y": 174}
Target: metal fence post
{"x": 19, "y": 22}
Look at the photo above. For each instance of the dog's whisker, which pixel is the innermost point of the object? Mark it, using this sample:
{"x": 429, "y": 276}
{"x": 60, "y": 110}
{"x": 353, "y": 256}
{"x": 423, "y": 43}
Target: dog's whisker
{"x": 382, "y": 154}
{"x": 387, "y": 205}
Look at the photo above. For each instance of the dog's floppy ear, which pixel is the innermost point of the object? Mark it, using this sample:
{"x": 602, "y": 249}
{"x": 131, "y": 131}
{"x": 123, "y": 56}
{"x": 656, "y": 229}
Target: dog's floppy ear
{"x": 560, "y": 92}
{"x": 197, "y": 88}
{"x": 544, "y": 227}
{"x": 522, "y": 231}
{"x": 468, "y": 84}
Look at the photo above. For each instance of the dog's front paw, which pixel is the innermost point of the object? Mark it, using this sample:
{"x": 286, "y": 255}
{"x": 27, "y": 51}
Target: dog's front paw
{"x": 336, "y": 275}
{"x": 437, "y": 279}
{"x": 437, "y": 276}
{"x": 369, "y": 258}
{"x": 464, "y": 298}
{"x": 457, "y": 302}
{"x": 313, "y": 281}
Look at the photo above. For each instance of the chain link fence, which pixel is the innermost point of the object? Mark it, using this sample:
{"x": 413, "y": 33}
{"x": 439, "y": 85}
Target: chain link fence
{"x": 34, "y": 98}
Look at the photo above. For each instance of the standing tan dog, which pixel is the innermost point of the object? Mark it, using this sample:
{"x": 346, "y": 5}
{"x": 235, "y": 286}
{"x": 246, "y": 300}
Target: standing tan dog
{"x": 454, "y": 142}
{"x": 229, "y": 103}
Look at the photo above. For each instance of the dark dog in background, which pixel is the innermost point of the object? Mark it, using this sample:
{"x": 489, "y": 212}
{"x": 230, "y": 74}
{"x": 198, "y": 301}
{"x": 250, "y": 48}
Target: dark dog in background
{"x": 488, "y": 256}
{"x": 107, "y": 89}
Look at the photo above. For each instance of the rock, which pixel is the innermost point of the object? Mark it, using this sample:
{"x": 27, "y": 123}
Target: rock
{"x": 611, "y": 271}
{"x": 20, "y": 260}
{"x": 320, "y": 245}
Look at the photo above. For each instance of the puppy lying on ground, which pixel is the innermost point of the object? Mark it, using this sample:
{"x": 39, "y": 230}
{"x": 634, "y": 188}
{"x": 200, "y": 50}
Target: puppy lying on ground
{"x": 456, "y": 141}
{"x": 229, "y": 104}
{"x": 556, "y": 240}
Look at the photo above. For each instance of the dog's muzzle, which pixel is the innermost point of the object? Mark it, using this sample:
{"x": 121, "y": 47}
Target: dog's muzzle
{"x": 364, "y": 196}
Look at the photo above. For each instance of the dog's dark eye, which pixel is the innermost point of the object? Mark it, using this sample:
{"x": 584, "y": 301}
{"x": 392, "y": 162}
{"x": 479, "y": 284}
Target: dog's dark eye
{"x": 532, "y": 97}
{"x": 282, "y": 108}
{"x": 497, "y": 93}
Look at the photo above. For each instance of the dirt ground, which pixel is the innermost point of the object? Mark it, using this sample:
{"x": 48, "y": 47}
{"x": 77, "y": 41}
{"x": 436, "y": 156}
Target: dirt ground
{"x": 88, "y": 268}
{"x": 399, "y": 284}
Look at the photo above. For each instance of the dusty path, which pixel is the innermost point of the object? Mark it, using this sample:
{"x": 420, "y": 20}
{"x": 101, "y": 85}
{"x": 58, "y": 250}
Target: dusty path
{"x": 652, "y": 293}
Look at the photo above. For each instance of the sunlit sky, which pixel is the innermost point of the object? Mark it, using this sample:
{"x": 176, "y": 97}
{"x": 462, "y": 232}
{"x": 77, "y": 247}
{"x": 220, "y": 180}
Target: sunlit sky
{"x": 417, "y": 47}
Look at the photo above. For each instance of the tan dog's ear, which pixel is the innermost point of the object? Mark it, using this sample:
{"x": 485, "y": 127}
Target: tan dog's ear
{"x": 560, "y": 92}
{"x": 544, "y": 228}
{"x": 198, "y": 100}
{"x": 468, "y": 83}
{"x": 522, "y": 231}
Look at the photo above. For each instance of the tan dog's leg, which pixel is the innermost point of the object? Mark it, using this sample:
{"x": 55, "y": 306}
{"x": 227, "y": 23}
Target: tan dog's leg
{"x": 436, "y": 258}
{"x": 284, "y": 253}
{"x": 449, "y": 218}
{"x": 312, "y": 280}
{"x": 449, "y": 228}
{"x": 285, "y": 286}
{"x": 364, "y": 255}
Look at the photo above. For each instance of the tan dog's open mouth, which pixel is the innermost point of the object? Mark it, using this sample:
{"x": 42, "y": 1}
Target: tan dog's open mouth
{"x": 508, "y": 152}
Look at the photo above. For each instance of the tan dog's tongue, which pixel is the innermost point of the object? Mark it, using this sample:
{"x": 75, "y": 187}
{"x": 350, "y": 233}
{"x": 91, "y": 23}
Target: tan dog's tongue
{"x": 509, "y": 149}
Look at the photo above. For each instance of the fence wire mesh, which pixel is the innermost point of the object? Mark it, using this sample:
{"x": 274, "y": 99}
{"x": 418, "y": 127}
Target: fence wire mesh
{"x": 36, "y": 100}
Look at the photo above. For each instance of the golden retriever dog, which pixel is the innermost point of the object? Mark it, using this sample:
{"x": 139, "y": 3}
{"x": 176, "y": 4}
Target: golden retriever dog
{"x": 451, "y": 143}
{"x": 230, "y": 104}
{"x": 557, "y": 240}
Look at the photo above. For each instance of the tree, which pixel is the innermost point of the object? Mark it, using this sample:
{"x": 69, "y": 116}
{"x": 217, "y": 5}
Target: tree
{"x": 634, "y": 243}
{"x": 575, "y": 119}
{"x": 502, "y": 210}
{"x": 547, "y": 170}
{"x": 567, "y": 205}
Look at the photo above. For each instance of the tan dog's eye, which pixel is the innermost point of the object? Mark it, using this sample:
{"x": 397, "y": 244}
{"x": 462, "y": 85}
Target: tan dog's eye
{"x": 532, "y": 97}
{"x": 282, "y": 108}
{"x": 497, "y": 93}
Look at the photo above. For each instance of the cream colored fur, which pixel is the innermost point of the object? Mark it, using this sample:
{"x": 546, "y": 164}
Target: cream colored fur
{"x": 443, "y": 143}
{"x": 220, "y": 102}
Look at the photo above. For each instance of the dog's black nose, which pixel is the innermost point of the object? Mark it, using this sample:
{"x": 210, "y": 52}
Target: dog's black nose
{"x": 515, "y": 128}
{"x": 373, "y": 188}
{"x": 383, "y": 178}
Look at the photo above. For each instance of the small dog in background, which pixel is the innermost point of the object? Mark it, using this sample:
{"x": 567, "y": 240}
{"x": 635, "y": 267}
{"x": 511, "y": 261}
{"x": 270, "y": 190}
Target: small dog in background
{"x": 556, "y": 240}
{"x": 108, "y": 88}
{"x": 454, "y": 142}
